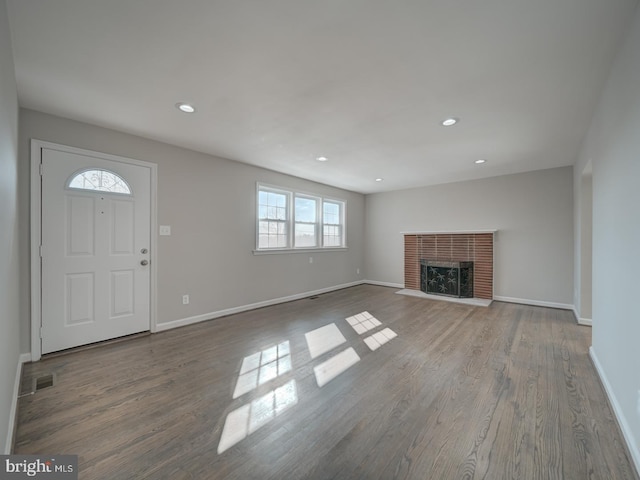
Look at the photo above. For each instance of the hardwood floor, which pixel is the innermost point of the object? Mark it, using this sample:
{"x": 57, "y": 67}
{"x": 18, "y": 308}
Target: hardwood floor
{"x": 501, "y": 392}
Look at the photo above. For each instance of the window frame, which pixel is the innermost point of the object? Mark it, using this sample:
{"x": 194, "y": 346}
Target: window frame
{"x": 101, "y": 191}
{"x": 316, "y": 239}
{"x": 290, "y": 221}
{"x": 342, "y": 220}
{"x": 287, "y": 220}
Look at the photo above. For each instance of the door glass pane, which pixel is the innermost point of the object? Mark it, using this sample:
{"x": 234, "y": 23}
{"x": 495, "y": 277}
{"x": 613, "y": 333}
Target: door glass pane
{"x": 99, "y": 180}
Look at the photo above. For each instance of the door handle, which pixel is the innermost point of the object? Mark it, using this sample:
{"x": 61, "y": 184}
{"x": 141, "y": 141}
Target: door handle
{"x": 144, "y": 262}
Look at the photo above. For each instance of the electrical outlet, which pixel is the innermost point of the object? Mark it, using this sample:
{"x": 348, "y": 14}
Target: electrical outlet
{"x": 185, "y": 299}
{"x": 357, "y": 271}
{"x": 310, "y": 259}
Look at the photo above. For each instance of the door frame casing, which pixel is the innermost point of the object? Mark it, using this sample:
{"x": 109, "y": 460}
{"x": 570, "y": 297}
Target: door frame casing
{"x": 36, "y": 234}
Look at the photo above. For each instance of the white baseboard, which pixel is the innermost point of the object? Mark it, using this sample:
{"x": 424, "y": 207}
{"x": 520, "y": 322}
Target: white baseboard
{"x": 252, "y": 306}
{"x": 384, "y": 284}
{"x": 13, "y": 413}
{"x": 537, "y": 303}
{"x": 581, "y": 321}
{"x": 632, "y": 444}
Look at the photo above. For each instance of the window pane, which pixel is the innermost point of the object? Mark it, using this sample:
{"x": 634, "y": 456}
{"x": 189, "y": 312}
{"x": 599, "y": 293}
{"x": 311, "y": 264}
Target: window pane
{"x": 332, "y": 236}
{"x": 101, "y": 181}
{"x": 331, "y": 212}
{"x": 305, "y": 209}
{"x": 305, "y": 235}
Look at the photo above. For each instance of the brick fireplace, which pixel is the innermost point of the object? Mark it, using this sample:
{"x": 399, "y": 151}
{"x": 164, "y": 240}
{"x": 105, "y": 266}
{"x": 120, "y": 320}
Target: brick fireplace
{"x": 451, "y": 247}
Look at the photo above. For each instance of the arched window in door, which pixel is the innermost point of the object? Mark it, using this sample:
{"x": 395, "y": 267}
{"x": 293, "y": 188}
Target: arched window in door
{"x": 99, "y": 180}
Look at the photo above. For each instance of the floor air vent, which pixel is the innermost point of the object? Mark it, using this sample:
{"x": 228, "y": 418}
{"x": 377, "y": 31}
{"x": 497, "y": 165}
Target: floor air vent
{"x": 44, "y": 381}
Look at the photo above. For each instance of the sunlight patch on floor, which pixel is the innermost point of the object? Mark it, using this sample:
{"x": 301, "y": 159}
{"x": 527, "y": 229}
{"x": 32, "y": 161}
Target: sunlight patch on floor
{"x": 270, "y": 363}
{"x": 260, "y": 367}
{"x": 363, "y": 322}
{"x": 323, "y": 339}
{"x": 245, "y": 420}
{"x": 378, "y": 339}
{"x": 330, "y": 369}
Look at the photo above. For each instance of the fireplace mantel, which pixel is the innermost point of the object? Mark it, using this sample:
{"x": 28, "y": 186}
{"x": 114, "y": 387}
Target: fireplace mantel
{"x": 449, "y": 232}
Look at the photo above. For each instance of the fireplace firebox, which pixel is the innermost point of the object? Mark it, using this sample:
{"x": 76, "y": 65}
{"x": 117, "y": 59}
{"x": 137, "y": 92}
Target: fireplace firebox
{"x": 454, "y": 279}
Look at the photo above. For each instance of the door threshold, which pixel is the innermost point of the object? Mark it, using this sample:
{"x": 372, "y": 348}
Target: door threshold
{"x": 91, "y": 346}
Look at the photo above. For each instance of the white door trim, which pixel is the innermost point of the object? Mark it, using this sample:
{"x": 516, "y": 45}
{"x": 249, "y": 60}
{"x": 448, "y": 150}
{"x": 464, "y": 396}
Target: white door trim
{"x": 36, "y": 234}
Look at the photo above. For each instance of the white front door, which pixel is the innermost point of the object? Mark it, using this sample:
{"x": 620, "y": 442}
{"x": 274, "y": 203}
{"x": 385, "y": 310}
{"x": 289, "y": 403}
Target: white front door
{"x": 95, "y": 249}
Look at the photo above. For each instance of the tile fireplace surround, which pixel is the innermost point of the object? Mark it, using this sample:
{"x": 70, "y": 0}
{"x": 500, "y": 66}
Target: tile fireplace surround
{"x": 476, "y": 247}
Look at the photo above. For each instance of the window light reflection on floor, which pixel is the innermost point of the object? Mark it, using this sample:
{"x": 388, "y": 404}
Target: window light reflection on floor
{"x": 245, "y": 420}
{"x": 363, "y": 322}
{"x": 323, "y": 339}
{"x": 263, "y": 366}
{"x": 269, "y": 364}
{"x": 334, "y": 366}
{"x": 378, "y": 339}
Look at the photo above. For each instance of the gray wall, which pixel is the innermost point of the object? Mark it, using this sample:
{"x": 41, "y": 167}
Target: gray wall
{"x": 613, "y": 147}
{"x": 586, "y": 248}
{"x": 531, "y": 211}
{"x": 210, "y": 204}
{"x": 9, "y": 244}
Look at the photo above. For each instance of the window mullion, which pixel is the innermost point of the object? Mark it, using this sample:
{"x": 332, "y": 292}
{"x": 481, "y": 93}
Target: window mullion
{"x": 291, "y": 220}
{"x": 319, "y": 222}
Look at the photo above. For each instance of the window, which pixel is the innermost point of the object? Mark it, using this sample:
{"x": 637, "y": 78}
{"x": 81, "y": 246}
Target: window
{"x": 290, "y": 220}
{"x": 332, "y": 224}
{"x": 273, "y": 208}
{"x": 99, "y": 180}
{"x": 305, "y": 228}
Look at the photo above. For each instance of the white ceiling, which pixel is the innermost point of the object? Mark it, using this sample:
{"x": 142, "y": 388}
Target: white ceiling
{"x": 363, "y": 82}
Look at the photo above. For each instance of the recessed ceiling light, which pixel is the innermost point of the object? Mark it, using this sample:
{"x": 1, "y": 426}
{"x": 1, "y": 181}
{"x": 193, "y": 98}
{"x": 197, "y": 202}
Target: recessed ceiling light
{"x": 185, "y": 107}
{"x": 480, "y": 160}
{"x": 322, "y": 159}
{"x": 448, "y": 122}
{"x": 379, "y": 179}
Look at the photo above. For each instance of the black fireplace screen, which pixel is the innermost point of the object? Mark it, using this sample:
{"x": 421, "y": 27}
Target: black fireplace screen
{"x": 454, "y": 279}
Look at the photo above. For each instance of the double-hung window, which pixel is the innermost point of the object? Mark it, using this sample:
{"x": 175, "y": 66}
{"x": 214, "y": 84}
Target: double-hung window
{"x": 273, "y": 221}
{"x": 332, "y": 223}
{"x": 288, "y": 220}
{"x": 306, "y": 224}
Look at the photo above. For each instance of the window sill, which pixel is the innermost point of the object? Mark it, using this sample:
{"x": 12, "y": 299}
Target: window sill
{"x": 280, "y": 251}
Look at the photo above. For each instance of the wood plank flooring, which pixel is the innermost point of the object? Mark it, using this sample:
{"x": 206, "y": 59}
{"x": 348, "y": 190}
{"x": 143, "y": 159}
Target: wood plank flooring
{"x": 462, "y": 392}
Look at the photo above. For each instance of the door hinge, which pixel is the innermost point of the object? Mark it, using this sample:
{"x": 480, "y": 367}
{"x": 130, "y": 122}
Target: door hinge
{"x": 40, "y": 251}
{"x": 41, "y": 169}
{"x": 40, "y": 332}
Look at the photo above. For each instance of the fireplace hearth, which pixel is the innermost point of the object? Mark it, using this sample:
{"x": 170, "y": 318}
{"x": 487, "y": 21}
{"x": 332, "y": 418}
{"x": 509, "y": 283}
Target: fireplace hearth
{"x": 453, "y": 279}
